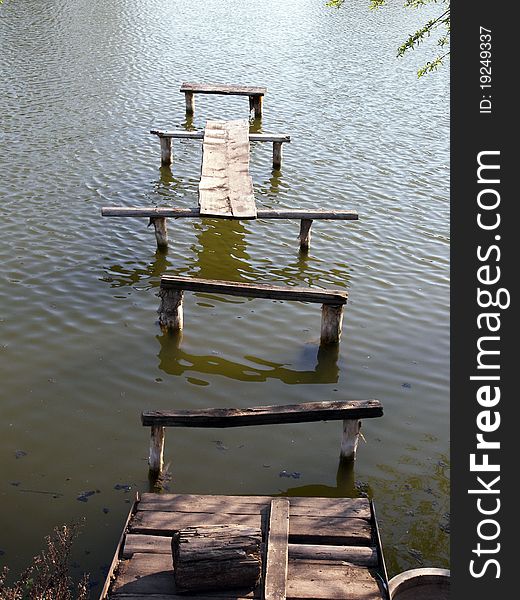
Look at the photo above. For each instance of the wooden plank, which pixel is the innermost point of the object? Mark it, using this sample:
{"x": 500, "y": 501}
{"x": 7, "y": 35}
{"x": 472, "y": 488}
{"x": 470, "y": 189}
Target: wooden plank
{"x": 146, "y": 544}
{"x": 219, "y": 88}
{"x": 321, "y": 581}
{"x": 308, "y": 507}
{"x": 255, "y": 290}
{"x": 277, "y": 551}
{"x": 264, "y": 415}
{"x": 225, "y": 187}
{"x": 287, "y": 213}
{"x": 199, "y": 135}
{"x": 229, "y": 596}
{"x": 151, "y": 574}
{"x": 363, "y": 556}
{"x": 305, "y": 530}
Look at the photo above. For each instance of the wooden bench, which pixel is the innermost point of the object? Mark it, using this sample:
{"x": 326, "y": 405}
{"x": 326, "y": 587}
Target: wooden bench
{"x": 166, "y": 137}
{"x": 172, "y": 292}
{"x": 350, "y": 412}
{"x": 255, "y": 93}
{"x": 157, "y": 217}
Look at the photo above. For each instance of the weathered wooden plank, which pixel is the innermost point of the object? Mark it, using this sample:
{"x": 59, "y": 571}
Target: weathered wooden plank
{"x": 277, "y": 551}
{"x": 264, "y": 415}
{"x": 225, "y": 187}
{"x": 229, "y": 596}
{"x": 321, "y": 581}
{"x": 300, "y": 506}
{"x": 255, "y": 290}
{"x": 306, "y": 530}
{"x": 218, "y": 88}
{"x": 150, "y": 574}
{"x": 288, "y": 213}
{"x": 145, "y": 544}
{"x": 363, "y": 556}
{"x": 199, "y": 135}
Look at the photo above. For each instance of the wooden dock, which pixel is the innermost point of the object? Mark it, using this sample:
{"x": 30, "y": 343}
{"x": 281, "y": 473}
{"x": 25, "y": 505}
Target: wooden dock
{"x": 255, "y": 93}
{"x": 313, "y": 548}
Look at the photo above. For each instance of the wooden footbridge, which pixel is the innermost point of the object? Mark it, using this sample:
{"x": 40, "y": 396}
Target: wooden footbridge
{"x": 312, "y": 548}
{"x": 238, "y": 547}
{"x": 226, "y": 188}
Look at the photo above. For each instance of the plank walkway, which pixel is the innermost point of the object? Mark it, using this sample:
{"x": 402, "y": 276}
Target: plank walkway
{"x": 331, "y": 544}
{"x": 226, "y": 188}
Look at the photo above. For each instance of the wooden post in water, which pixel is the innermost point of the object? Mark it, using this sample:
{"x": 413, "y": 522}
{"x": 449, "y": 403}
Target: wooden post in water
{"x": 350, "y": 438}
{"x": 166, "y": 151}
{"x": 161, "y": 231}
{"x": 331, "y": 322}
{"x": 277, "y": 155}
{"x": 257, "y": 103}
{"x": 305, "y": 234}
{"x": 190, "y": 102}
{"x": 156, "y": 457}
{"x": 170, "y": 310}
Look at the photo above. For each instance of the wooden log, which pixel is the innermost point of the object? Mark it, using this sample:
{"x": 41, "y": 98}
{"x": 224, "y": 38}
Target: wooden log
{"x": 170, "y": 310}
{"x": 250, "y": 290}
{"x": 350, "y": 438}
{"x": 161, "y": 231}
{"x": 331, "y": 322}
{"x": 217, "y": 557}
{"x": 277, "y": 155}
{"x": 190, "y": 102}
{"x": 275, "y": 581}
{"x": 156, "y": 456}
{"x": 166, "y": 151}
{"x": 286, "y": 213}
{"x": 305, "y": 234}
{"x": 264, "y": 415}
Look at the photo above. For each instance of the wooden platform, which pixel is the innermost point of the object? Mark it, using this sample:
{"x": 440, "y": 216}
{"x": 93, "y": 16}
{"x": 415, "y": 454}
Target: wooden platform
{"x": 332, "y": 545}
{"x": 226, "y": 188}
{"x": 255, "y": 93}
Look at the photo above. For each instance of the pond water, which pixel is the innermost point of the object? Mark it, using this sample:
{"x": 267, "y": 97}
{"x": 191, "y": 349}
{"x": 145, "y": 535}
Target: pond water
{"x": 83, "y": 82}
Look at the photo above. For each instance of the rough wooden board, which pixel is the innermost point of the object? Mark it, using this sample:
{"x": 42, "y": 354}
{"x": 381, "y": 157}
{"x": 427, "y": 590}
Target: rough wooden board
{"x": 173, "y": 597}
{"x": 309, "y": 530}
{"x": 225, "y": 187}
{"x": 264, "y": 415}
{"x": 277, "y": 551}
{"x": 219, "y": 88}
{"x": 149, "y": 574}
{"x": 146, "y": 544}
{"x": 250, "y": 290}
{"x": 321, "y": 581}
{"x": 300, "y": 506}
{"x": 199, "y": 135}
{"x": 287, "y": 213}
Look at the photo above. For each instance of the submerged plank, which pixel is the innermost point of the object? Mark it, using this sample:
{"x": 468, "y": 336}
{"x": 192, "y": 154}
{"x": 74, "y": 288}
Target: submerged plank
{"x": 226, "y": 188}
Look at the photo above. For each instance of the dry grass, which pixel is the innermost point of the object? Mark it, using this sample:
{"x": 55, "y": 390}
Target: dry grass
{"x": 48, "y": 577}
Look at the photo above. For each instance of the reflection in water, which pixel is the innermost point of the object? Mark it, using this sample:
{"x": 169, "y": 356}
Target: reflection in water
{"x": 188, "y": 123}
{"x": 175, "y": 361}
{"x": 221, "y": 251}
{"x": 346, "y": 485}
{"x": 119, "y": 276}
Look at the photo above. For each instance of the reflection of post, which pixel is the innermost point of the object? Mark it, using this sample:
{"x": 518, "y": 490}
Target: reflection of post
{"x": 327, "y": 370}
{"x": 222, "y": 250}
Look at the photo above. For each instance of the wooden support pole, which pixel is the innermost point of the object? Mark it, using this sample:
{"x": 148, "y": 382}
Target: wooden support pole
{"x": 305, "y": 234}
{"x": 277, "y": 155}
{"x": 161, "y": 231}
{"x": 331, "y": 322}
{"x": 166, "y": 151}
{"x": 257, "y": 105}
{"x": 350, "y": 438}
{"x": 251, "y": 103}
{"x": 190, "y": 102}
{"x": 156, "y": 456}
{"x": 170, "y": 310}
